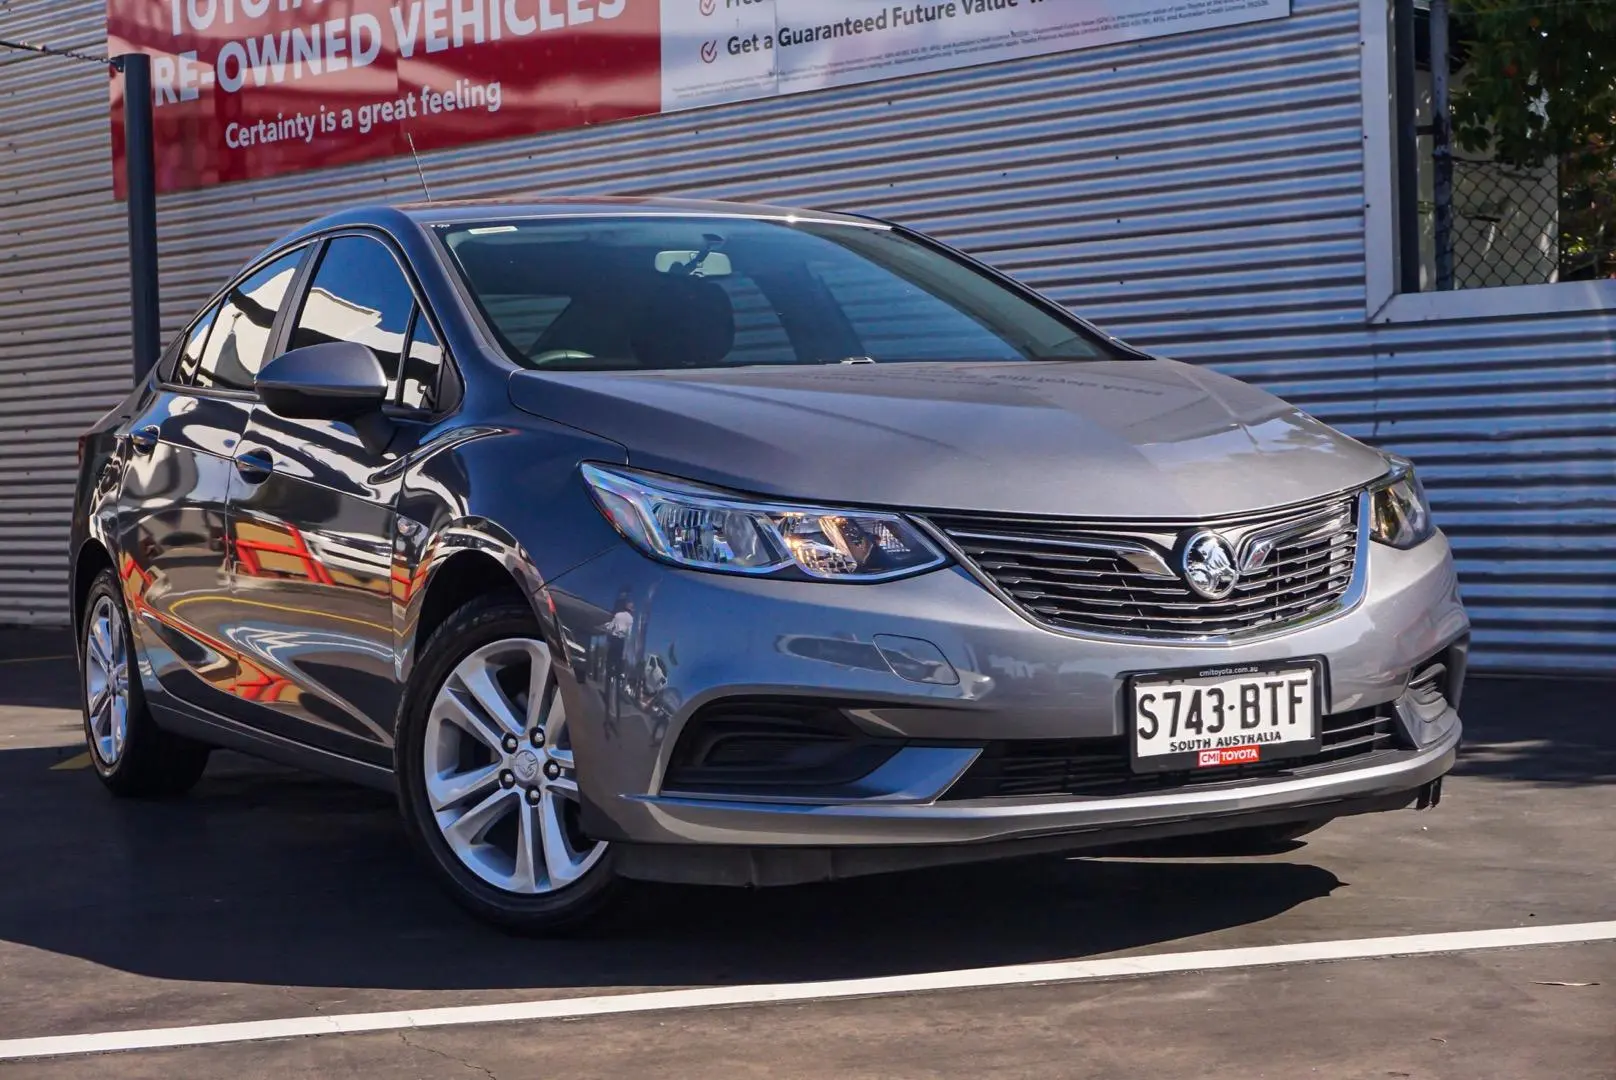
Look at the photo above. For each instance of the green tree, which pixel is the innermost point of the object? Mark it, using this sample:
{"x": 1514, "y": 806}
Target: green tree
{"x": 1540, "y": 78}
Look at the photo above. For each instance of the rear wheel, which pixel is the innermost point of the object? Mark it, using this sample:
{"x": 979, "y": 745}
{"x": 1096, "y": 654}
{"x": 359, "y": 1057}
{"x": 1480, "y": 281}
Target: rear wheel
{"x": 488, "y": 784}
{"x": 132, "y": 755}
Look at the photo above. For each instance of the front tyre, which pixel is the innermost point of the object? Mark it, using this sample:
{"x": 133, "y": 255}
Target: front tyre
{"x": 487, "y": 781}
{"x": 132, "y": 755}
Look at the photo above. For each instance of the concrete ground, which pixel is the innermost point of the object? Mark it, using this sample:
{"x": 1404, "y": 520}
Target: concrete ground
{"x": 270, "y": 894}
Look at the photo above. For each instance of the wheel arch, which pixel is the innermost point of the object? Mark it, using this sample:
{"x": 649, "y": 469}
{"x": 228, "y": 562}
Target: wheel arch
{"x": 462, "y": 561}
{"x": 461, "y": 576}
{"x": 92, "y": 557}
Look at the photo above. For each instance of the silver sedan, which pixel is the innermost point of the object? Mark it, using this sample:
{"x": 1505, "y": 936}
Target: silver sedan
{"x": 654, "y": 540}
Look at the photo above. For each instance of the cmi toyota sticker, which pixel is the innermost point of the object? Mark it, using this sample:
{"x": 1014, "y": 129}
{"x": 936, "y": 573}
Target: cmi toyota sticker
{"x": 1233, "y": 755}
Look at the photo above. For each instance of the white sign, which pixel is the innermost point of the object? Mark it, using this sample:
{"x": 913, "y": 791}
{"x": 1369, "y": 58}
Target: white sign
{"x": 718, "y": 51}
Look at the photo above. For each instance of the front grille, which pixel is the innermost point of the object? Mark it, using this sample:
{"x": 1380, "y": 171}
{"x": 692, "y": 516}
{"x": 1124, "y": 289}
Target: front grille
{"x": 1100, "y": 767}
{"x": 1122, "y": 579}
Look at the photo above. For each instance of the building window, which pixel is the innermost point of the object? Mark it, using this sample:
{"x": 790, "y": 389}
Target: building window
{"x": 1506, "y": 178}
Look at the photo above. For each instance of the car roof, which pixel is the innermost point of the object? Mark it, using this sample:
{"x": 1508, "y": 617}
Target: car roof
{"x": 458, "y": 211}
{"x": 591, "y": 206}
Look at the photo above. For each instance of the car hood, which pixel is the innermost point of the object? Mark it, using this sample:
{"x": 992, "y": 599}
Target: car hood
{"x": 1107, "y": 439}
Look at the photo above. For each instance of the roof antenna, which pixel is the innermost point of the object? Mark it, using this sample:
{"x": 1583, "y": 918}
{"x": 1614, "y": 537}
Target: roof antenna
{"x": 418, "y": 170}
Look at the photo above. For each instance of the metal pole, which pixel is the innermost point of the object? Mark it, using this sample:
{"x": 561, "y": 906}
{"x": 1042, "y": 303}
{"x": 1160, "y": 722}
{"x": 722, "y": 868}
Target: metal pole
{"x": 141, "y": 174}
{"x": 1408, "y": 149}
{"x": 1441, "y": 145}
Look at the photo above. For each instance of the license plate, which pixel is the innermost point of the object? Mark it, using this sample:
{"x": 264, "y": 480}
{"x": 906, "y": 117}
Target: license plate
{"x": 1211, "y": 718}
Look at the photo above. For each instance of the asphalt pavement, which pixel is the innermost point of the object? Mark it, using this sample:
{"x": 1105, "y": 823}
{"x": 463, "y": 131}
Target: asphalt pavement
{"x": 271, "y": 895}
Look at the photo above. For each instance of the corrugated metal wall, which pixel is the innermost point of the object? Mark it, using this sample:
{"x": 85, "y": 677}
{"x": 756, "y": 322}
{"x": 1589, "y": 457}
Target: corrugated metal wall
{"x": 64, "y": 308}
{"x": 1201, "y": 195}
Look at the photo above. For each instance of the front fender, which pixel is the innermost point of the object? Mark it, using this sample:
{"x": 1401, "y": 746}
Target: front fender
{"x": 467, "y": 535}
{"x": 512, "y": 494}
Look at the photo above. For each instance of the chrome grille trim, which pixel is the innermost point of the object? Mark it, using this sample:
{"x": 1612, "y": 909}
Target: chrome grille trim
{"x": 1117, "y": 580}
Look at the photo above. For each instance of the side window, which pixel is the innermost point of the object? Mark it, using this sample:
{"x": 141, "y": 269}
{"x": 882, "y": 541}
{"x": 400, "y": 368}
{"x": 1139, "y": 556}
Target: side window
{"x": 235, "y": 349}
{"x": 358, "y": 294}
{"x": 423, "y": 361}
{"x": 191, "y": 353}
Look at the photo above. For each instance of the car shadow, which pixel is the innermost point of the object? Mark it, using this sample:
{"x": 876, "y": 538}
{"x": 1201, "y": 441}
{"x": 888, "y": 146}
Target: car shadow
{"x": 271, "y": 877}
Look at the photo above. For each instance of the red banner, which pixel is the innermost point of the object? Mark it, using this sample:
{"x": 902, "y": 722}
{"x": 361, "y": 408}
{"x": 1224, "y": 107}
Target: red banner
{"x": 254, "y": 88}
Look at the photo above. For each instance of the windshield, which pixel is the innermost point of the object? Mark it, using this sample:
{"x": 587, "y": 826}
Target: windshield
{"x": 649, "y": 293}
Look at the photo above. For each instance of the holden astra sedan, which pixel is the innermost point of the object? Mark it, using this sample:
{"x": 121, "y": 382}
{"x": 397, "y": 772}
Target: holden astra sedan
{"x": 654, "y": 540}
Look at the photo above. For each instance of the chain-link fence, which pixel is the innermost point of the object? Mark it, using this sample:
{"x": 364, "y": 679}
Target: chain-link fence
{"x": 1489, "y": 223}
{"x": 1506, "y": 225}
{"x": 1518, "y": 226}
{"x": 1521, "y": 226}
{"x": 1587, "y": 224}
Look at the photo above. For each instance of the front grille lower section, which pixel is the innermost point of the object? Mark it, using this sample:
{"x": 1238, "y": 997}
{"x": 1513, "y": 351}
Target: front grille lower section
{"x": 773, "y": 746}
{"x": 1127, "y": 581}
{"x": 1100, "y": 767}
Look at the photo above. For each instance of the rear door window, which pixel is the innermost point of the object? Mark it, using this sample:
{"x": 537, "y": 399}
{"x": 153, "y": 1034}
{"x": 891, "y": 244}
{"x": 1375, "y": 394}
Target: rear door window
{"x": 191, "y": 353}
{"x": 240, "y": 335}
{"x": 358, "y": 294}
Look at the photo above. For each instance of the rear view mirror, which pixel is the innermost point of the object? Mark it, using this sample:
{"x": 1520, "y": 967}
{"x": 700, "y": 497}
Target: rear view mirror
{"x": 336, "y": 380}
{"x": 713, "y": 264}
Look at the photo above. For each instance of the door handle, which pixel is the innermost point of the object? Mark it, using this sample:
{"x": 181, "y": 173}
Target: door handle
{"x": 255, "y": 466}
{"x": 144, "y": 440}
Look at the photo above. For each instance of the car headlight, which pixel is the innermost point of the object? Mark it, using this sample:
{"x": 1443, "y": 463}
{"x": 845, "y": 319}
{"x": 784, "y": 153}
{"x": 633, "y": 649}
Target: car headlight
{"x": 1400, "y": 514}
{"x": 708, "y": 530}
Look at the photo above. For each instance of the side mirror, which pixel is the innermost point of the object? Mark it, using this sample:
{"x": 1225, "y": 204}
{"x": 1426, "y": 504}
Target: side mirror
{"x": 336, "y": 380}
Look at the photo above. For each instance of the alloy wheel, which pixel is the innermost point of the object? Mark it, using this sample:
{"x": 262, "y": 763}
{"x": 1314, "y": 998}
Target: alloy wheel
{"x": 500, "y": 776}
{"x": 106, "y": 680}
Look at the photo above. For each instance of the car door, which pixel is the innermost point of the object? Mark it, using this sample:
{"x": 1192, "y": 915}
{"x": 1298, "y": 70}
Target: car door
{"x": 173, "y": 504}
{"x": 313, "y": 518}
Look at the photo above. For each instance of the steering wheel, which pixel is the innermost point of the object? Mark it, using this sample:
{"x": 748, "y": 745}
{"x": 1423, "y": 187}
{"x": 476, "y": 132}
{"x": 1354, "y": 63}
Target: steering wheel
{"x": 551, "y": 356}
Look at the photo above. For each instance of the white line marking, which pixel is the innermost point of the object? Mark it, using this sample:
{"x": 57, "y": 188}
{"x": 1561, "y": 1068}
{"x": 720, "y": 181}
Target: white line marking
{"x": 663, "y": 1000}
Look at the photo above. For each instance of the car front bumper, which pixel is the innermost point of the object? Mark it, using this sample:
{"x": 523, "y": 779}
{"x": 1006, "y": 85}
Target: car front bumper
{"x": 700, "y": 638}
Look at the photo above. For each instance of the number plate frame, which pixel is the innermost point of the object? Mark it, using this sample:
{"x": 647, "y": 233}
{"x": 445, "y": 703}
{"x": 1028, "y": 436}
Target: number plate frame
{"x": 1187, "y": 761}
